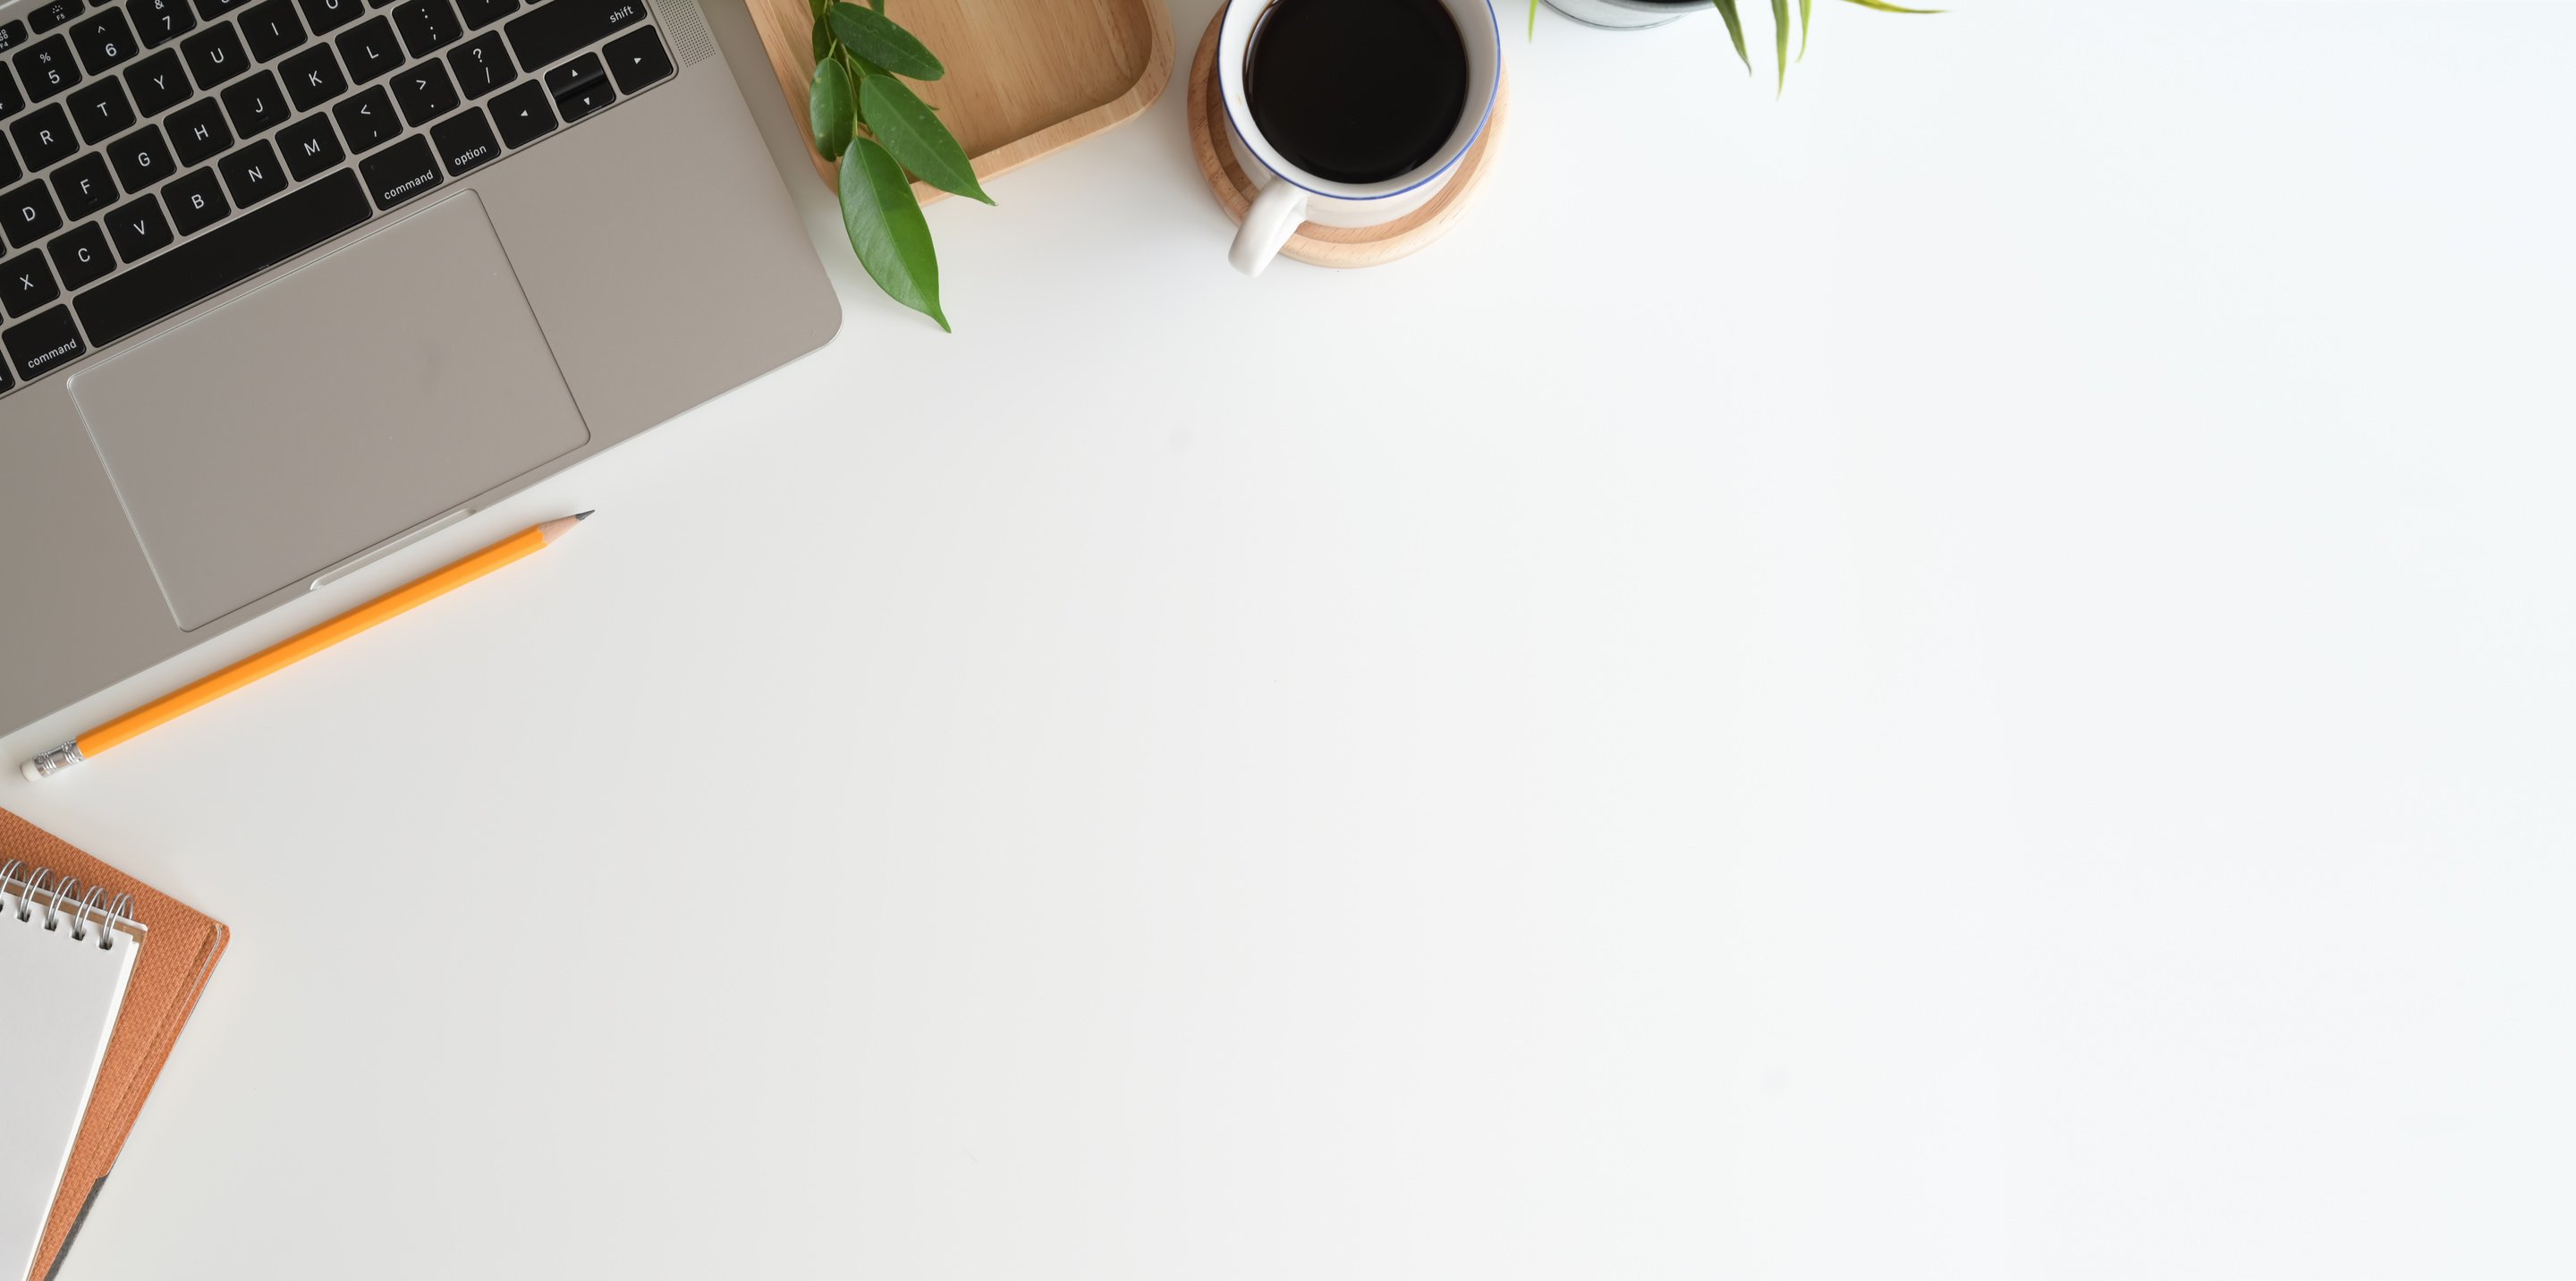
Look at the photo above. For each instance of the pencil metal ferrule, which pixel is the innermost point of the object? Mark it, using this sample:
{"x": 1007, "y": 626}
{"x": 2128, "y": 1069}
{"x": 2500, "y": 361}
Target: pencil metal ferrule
{"x": 56, "y": 761}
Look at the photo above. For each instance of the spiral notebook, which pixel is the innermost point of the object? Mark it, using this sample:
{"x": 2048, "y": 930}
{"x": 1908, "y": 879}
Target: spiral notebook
{"x": 98, "y": 972}
{"x": 66, "y": 952}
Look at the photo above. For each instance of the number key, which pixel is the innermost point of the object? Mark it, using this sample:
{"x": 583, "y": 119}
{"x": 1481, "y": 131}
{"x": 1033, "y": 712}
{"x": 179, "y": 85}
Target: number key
{"x": 103, "y": 41}
{"x": 45, "y": 67}
{"x": 162, "y": 21}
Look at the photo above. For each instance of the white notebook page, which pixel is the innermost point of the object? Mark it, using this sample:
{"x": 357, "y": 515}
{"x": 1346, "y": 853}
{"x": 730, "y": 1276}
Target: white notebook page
{"x": 58, "y": 1001}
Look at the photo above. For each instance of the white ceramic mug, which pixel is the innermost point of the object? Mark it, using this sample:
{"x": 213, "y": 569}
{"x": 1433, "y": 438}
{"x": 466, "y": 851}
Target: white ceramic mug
{"x": 1290, "y": 195}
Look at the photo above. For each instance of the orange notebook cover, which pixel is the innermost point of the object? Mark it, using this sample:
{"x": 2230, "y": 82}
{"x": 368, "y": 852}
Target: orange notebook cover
{"x": 180, "y": 948}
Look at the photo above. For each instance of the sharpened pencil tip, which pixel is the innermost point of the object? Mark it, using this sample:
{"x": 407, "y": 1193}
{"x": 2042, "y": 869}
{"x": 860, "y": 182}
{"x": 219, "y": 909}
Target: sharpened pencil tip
{"x": 585, "y": 515}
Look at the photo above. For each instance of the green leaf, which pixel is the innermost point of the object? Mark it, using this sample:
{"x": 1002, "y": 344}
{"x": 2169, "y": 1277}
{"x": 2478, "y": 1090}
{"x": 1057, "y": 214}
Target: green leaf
{"x": 878, "y": 5}
{"x": 1780, "y": 43}
{"x": 819, "y": 7}
{"x": 822, "y": 39}
{"x": 1884, "y": 7}
{"x": 1735, "y": 30}
{"x": 831, "y": 108}
{"x": 875, "y": 37}
{"x": 1806, "y": 17}
{"x": 1533, "y": 20}
{"x": 887, "y": 229}
{"x": 913, "y": 134}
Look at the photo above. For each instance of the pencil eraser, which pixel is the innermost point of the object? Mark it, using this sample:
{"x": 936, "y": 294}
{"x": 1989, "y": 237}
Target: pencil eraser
{"x": 33, "y": 774}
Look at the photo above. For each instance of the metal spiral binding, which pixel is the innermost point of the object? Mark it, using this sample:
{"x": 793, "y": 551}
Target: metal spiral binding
{"x": 38, "y": 893}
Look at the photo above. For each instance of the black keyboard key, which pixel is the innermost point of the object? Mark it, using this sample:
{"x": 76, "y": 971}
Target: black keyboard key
{"x": 482, "y": 64}
{"x": 100, "y": 111}
{"x": 580, "y": 87}
{"x": 26, "y": 283}
{"x": 369, "y": 51}
{"x": 27, "y": 213}
{"x": 223, "y": 257}
{"x": 84, "y": 186}
{"x": 327, "y": 16}
{"x": 195, "y": 201}
{"x": 213, "y": 9}
{"x": 523, "y": 115}
{"x": 46, "y": 17}
{"x": 465, "y": 142}
{"x": 12, "y": 35}
{"x": 313, "y": 77}
{"x": 272, "y": 29}
{"x": 479, "y": 14}
{"x": 9, "y": 170}
{"x": 80, "y": 255}
{"x": 198, "y": 132}
{"x": 141, "y": 158}
{"x": 555, "y": 29}
{"x": 367, "y": 121}
{"x": 425, "y": 93}
{"x": 162, "y": 21}
{"x": 637, "y": 59}
{"x": 104, "y": 41}
{"x": 45, "y": 138}
{"x": 157, "y": 83}
{"x": 138, "y": 229}
{"x": 11, "y": 101}
{"x": 252, "y": 174}
{"x": 215, "y": 55}
{"x": 45, "y": 68}
{"x": 256, "y": 105}
{"x": 309, "y": 146}
{"x": 400, "y": 172}
{"x": 427, "y": 26}
{"x": 38, "y": 346}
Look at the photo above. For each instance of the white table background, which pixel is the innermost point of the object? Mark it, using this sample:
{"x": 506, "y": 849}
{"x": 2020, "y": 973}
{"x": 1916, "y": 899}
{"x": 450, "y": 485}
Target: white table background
{"x": 1964, "y": 674}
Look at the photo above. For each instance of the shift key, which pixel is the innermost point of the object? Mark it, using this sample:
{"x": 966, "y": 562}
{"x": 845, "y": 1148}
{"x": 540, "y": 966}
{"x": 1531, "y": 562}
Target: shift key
{"x": 559, "y": 28}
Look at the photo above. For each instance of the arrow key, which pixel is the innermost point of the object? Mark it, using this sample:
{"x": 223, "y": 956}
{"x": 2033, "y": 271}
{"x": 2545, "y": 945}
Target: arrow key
{"x": 637, "y": 59}
{"x": 523, "y": 115}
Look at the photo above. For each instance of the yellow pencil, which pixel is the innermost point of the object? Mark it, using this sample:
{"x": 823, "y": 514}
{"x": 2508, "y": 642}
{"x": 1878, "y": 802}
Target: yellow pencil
{"x": 287, "y": 653}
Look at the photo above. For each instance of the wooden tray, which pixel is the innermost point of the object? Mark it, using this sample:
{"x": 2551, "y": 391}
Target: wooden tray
{"x": 1313, "y": 243}
{"x": 1025, "y": 77}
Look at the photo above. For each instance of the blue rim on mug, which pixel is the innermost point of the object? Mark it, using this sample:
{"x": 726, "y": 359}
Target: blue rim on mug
{"x": 1492, "y": 82}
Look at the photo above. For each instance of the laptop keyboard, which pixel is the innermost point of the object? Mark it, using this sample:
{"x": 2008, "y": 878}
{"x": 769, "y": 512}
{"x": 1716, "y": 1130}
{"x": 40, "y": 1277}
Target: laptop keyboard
{"x": 154, "y": 153}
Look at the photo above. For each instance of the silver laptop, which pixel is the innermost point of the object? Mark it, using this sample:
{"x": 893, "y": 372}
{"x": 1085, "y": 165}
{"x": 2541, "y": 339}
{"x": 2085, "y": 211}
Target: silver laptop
{"x": 288, "y": 282}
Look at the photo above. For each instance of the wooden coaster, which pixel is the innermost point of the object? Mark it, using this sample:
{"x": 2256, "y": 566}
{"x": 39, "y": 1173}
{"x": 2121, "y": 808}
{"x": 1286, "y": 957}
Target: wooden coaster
{"x": 1330, "y": 246}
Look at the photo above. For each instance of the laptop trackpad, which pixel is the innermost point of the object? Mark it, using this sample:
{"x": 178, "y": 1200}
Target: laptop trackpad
{"x": 357, "y": 397}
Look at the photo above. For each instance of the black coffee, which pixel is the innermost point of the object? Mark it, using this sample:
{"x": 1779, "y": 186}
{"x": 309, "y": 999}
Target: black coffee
{"x": 1357, "y": 90}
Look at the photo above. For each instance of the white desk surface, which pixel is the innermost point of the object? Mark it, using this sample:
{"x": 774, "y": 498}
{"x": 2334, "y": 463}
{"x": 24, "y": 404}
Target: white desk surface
{"x": 1968, "y": 673}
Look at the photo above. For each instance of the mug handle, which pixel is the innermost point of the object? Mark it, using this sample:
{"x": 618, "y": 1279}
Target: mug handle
{"x": 1273, "y": 218}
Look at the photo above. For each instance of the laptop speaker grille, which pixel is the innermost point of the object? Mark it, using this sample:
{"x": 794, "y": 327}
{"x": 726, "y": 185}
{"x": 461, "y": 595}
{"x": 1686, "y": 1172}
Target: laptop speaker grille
{"x": 686, "y": 28}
